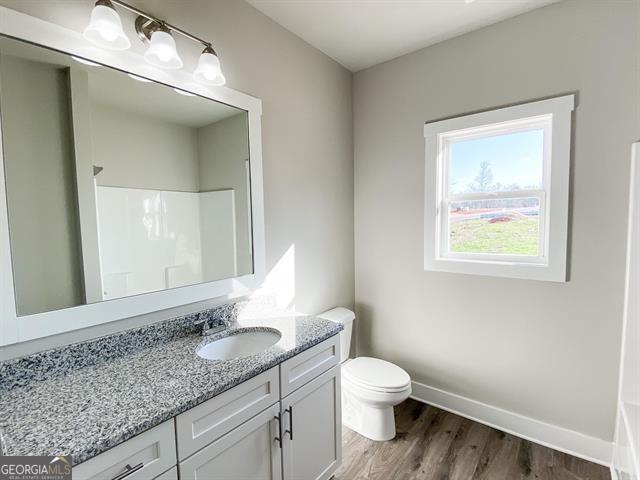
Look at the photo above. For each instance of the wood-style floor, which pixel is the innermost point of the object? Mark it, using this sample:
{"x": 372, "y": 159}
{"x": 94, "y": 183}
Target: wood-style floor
{"x": 434, "y": 444}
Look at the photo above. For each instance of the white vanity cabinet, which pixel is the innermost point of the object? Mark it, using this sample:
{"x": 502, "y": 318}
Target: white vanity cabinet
{"x": 171, "y": 474}
{"x": 311, "y": 449}
{"x": 283, "y": 424}
{"x": 146, "y": 456}
{"x": 210, "y": 420}
{"x": 250, "y": 451}
{"x": 304, "y": 367}
{"x": 297, "y": 438}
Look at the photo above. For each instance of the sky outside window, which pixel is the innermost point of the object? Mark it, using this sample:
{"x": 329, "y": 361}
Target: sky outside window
{"x": 499, "y": 163}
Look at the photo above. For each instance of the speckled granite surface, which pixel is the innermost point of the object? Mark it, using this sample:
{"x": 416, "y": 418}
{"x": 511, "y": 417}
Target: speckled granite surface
{"x": 84, "y": 399}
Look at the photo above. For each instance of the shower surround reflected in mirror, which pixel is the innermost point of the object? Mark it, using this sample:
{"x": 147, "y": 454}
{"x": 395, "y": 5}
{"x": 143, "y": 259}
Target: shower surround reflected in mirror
{"x": 117, "y": 186}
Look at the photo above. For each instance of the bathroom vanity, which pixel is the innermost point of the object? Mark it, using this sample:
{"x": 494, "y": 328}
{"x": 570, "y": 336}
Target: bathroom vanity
{"x": 152, "y": 408}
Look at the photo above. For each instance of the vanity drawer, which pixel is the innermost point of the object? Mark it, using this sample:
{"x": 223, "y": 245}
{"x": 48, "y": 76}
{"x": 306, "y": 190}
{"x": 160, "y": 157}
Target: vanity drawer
{"x": 210, "y": 420}
{"x": 307, "y": 365}
{"x": 147, "y": 455}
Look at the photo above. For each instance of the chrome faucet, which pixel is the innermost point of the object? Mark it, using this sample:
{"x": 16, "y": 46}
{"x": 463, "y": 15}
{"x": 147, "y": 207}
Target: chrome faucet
{"x": 207, "y": 329}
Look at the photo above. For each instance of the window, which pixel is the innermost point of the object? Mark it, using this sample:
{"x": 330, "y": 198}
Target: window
{"x": 497, "y": 188}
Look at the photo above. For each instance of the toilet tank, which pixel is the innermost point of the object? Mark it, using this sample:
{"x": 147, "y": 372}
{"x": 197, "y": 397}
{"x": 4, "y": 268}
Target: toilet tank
{"x": 345, "y": 317}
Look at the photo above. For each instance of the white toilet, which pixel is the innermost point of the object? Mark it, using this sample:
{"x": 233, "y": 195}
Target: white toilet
{"x": 370, "y": 386}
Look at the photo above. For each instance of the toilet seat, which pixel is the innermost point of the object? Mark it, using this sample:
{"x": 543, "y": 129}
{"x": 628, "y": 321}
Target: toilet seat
{"x": 376, "y": 375}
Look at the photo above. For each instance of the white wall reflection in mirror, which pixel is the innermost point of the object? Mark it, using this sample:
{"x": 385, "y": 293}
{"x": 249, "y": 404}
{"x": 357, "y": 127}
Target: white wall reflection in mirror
{"x": 117, "y": 187}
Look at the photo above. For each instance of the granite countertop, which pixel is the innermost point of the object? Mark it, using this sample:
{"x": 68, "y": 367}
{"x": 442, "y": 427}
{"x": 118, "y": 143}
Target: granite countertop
{"x": 51, "y": 404}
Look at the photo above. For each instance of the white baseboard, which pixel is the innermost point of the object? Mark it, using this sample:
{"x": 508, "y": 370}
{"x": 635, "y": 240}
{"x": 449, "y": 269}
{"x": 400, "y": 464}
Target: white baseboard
{"x": 552, "y": 436}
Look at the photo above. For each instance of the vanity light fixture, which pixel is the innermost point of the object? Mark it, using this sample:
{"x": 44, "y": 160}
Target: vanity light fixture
{"x": 105, "y": 30}
{"x": 208, "y": 70}
{"x": 162, "y": 50}
{"x": 105, "y": 27}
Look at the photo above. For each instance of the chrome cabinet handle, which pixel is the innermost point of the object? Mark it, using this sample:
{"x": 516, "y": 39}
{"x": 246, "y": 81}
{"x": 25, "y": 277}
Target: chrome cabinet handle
{"x": 278, "y": 418}
{"x": 290, "y": 412}
{"x": 128, "y": 470}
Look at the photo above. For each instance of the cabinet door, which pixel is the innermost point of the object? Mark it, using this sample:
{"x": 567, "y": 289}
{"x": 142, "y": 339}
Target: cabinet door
{"x": 312, "y": 444}
{"x": 251, "y": 451}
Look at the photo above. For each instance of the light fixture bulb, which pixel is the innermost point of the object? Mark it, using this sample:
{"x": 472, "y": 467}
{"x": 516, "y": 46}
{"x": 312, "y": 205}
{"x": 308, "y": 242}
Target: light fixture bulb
{"x": 162, "y": 51}
{"x": 208, "y": 70}
{"x": 105, "y": 27}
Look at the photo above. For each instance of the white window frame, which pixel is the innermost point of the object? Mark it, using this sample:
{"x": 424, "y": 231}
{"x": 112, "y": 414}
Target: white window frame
{"x": 551, "y": 115}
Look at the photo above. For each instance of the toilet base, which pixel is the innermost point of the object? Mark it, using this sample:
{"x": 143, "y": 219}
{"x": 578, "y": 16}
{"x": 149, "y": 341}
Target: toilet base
{"x": 374, "y": 422}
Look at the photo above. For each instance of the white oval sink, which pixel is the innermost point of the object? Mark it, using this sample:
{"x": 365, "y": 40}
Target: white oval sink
{"x": 241, "y": 344}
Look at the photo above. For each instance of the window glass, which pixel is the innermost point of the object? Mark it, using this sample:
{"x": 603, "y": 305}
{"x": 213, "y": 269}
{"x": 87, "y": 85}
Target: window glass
{"x": 496, "y": 163}
{"x": 505, "y": 226}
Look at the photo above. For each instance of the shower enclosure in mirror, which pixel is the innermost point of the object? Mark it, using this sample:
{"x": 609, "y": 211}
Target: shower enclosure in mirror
{"x": 117, "y": 186}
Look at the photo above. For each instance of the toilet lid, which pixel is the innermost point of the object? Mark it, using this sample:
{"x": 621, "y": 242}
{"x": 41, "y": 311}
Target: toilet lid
{"x": 376, "y": 374}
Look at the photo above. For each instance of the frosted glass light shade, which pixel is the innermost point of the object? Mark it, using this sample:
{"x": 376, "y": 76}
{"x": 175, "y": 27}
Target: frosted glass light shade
{"x": 162, "y": 51}
{"x": 105, "y": 29}
{"x": 208, "y": 70}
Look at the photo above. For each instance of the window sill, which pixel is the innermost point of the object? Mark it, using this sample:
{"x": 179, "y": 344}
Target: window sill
{"x": 506, "y": 269}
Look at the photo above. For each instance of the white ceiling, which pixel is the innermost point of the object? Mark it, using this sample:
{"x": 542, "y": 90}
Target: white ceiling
{"x": 362, "y": 33}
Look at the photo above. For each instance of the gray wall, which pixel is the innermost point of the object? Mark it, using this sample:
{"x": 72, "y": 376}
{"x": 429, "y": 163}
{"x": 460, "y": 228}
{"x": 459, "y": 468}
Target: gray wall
{"x": 545, "y": 350}
{"x": 142, "y": 152}
{"x": 223, "y": 148}
{"x": 307, "y": 140}
{"x": 38, "y": 156}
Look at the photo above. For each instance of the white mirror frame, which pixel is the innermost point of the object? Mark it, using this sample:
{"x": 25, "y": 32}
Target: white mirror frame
{"x": 15, "y": 329}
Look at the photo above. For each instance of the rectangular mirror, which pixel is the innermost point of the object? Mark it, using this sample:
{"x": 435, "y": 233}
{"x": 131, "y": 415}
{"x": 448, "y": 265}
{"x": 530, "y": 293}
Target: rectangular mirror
{"x": 117, "y": 186}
